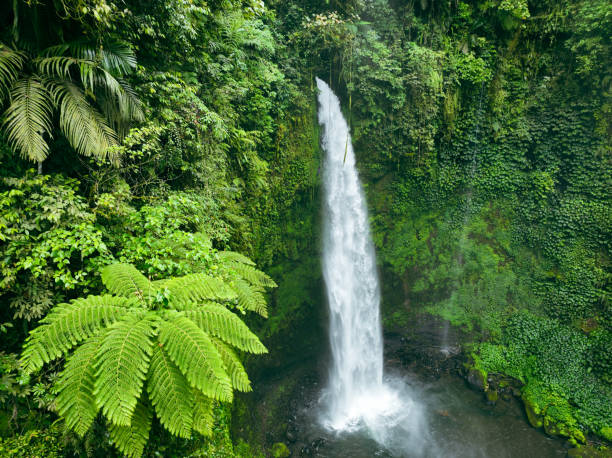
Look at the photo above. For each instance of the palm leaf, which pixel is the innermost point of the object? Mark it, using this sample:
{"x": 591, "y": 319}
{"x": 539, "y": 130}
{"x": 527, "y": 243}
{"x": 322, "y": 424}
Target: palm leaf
{"x": 28, "y": 118}
{"x": 216, "y": 320}
{"x": 170, "y": 394}
{"x": 11, "y": 62}
{"x": 192, "y": 351}
{"x": 131, "y": 440}
{"x": 84, "y": 127}
{"x": 76, "y": 401}
{"x": 67, "y": 325}
{"x": 123, "y": 363}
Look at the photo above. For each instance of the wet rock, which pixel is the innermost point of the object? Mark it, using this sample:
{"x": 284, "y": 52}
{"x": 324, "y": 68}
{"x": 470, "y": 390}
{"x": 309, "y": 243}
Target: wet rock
{"x": 280, "y": 450}
{"x": 477, "y": 379}
{"x": 586, "y": 451}
{"x": 492, "y": 397}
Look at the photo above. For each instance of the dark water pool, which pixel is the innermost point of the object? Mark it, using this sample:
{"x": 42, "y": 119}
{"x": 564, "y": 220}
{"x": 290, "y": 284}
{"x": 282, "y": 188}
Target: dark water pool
{"x": 457, "y": 423}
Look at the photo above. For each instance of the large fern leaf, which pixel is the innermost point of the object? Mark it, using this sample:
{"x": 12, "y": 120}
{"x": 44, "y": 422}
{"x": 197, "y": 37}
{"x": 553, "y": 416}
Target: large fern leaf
{"x": 203, "y": 418}
{"x": 233, "y": 366}
{"x": 125, "y": 280}
{"x": 195, "y": 288}
{"x": 123, "y": 363}
{"x": 75, "y": 400}
{"x": 233, "y": 256}
{"x": 218, "y": 321}
{"x": 193, "y": 352}
{"x": 170, "y": 394}
{"x": 67, "y": 325}
{"x": 250, "y": 297}
{"x": 131, "y": 440}
{"x": 28, "y": 118}
{"x": 250, "y": 274}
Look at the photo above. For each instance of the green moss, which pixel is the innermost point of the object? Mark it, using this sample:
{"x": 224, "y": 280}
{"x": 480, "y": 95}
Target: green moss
{"x": 280, "y": 450}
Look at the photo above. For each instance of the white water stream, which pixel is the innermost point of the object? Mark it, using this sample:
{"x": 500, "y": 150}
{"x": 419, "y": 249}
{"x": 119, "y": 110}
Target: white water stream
{"x": 357, "y": 396}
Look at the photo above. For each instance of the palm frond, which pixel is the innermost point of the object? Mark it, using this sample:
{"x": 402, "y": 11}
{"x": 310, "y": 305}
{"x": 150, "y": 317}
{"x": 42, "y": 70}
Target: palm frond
{"x": 75, "y": 400}
{"x": 131, "y": 440}
{"x": 192, "y": 351}
{"x": 84, "y": 127}
{"x": 216, "y": 320}
{"x": 28, "y": 118}
{"x": 67, "y": 325}
{"x": 114, "y": 56}
{"x": 170, "y": 394}
{"x": 11, "y": 62}
{"x": 122, "y": 366}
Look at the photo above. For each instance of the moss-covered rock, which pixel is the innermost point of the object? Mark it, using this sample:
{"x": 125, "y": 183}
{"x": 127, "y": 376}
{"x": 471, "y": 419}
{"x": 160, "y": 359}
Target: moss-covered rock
{"x": 279, "y": 450}
{"x": 534, "y": 414}
{"x": 477, "y": 378}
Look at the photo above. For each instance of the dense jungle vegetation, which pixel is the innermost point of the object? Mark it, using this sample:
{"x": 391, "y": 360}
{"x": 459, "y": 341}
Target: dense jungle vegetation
{"x": 157, "y": 157}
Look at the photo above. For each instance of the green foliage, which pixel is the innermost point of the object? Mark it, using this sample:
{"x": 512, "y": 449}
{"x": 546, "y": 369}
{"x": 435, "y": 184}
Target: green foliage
{"x": 50, "y": 242}
{"x": 158, "y": 334}
{"x": 34, "y": 97}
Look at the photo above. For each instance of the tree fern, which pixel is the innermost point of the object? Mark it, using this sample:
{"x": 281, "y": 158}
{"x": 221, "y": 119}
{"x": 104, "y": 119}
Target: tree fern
{"x": 165, "y": 338}
{"x": 76, "y": 401}
{"x": 170, "y": 394}
{"x": 123, "y": 360}
{"x": 250, "y": 297}
{"x": 131, "y": 440}
{"x": 203, "y": 418}
{"x": 193, "y": 352}
{"x": 233, "y": 256}
{"x": 67, "y": 325}
{"x": 250, "y": 273}
{"x": 220, "y": 322}
{"x": 233, "y": 366}
{"x": 125, "y": 280}
{"x": 195, "y": 288}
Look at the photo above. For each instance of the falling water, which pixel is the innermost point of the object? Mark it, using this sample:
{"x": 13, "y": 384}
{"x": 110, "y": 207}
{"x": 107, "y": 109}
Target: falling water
{"x": 357, "y": 397}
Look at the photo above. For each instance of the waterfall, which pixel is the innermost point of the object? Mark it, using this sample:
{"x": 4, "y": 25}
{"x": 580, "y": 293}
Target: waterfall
{"x": 349, "y": 270}
{"x": 357, "y": 396}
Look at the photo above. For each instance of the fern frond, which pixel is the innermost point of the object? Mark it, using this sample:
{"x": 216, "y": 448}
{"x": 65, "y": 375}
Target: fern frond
{"x": 233, "y": 366}
{"x": 28, "y": 118}
{"x": 11, "y": 62}
{"x": 229, "y": 256}
{"x": 251, "y": 297}
{"x": 75, "y": 401}
{"x": 216, "y": 320}
{"x": 123, "y": 363}
{"x": 170, "y": 394}
{"x": 195, "y": 288}
{"x": 84, "y": 127}
{"x": 250, "y": 274}
{"x": 67, "y": 325}
{"x": 131, "y": 440}
{"x": 125, "y": 280}
{"x": 203, "y": 419}
{"x": 192, "y": 351}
